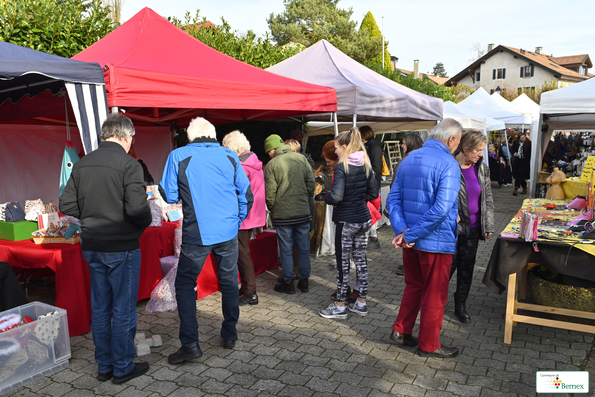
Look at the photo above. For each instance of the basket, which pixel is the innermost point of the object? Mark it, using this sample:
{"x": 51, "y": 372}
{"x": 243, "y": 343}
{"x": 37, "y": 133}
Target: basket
{"x": 56, "y": 239}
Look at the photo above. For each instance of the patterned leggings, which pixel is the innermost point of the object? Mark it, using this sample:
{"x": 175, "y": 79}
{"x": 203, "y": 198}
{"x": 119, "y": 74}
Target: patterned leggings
{"x": 350, "y": 238}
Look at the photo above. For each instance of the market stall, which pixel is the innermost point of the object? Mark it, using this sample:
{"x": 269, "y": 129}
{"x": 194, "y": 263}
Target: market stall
{"x": 43, "y": 92}
{"x": 556, "y": 247}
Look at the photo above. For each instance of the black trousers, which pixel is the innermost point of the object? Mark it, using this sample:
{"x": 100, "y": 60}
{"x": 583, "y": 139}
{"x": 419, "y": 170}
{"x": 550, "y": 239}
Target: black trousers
{"x": 464, "y": 260}
{"x": 11, "y": 293}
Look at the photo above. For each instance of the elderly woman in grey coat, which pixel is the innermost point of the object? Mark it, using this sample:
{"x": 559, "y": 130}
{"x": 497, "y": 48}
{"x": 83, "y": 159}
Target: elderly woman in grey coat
{"x": 476, "y": 212}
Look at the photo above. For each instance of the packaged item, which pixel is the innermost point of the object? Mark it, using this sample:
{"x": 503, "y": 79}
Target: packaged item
{"x": 3, "y": 212}
{"x": 14, "y": 212}
{"x": 529, "y": 225}
{"x": 153, "y": 191}
{"x": 33, "y": 208}
{"x": 178, "y": 239}
{"x": 155, "y": 213}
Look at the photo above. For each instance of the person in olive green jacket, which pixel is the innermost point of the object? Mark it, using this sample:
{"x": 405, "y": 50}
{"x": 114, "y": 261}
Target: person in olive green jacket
{"x": 289, "y": 184}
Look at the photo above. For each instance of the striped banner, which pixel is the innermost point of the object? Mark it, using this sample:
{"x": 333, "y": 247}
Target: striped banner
{"x": 89, "y": 103}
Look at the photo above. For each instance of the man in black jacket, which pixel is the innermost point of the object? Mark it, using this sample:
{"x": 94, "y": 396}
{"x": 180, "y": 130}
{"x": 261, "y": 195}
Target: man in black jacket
{"x": 107, "y": 193}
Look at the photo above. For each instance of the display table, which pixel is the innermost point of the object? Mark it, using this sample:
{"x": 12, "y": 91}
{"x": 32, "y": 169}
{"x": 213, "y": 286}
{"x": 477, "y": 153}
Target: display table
{"x": 574, "y": 187}
{"x": 73, "y": 282}
{"x": 511, "y": 256}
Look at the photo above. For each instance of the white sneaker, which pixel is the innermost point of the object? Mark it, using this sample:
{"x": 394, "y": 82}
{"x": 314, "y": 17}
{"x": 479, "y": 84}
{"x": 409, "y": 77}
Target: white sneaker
{"x": 333, "y": 311}
{"x": 360, "y": 310}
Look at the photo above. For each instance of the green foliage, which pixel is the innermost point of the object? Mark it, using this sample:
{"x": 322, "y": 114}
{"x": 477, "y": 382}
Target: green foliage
{"x": 259, "y": 52}
{"x": 59, "y": 27}
{"x": 423, "y": 85}
{"x": 461, "y": 91}
{"x": 439, "y": 70}
{"x": 369, "y": 24}
{"x": 308, "y": 21}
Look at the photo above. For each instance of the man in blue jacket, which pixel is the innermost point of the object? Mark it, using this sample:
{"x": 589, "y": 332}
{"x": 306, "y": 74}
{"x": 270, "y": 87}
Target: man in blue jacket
{"x": 423, "y": 208}
{"x": 216, "y": 198}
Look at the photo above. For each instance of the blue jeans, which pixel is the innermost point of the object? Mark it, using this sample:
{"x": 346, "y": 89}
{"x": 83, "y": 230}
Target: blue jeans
{"x": 299, "y": 233}
{"x": 192, "y": 259}
{"x": 114, "y": 293}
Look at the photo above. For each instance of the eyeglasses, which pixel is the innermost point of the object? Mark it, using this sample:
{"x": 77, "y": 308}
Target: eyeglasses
{"x": 133, "y": 139}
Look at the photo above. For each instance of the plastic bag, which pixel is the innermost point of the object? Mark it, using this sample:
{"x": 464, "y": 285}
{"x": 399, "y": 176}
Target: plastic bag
{"x": 155, "y": 213}
{"x": 163, "y": 297}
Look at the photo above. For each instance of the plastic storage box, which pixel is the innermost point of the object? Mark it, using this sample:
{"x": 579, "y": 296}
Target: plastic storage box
{"x": 33, "y": 350}
{"x": 17, "y": 231}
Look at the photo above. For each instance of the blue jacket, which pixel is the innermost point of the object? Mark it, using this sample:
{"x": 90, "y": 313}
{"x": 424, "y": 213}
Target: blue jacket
{"x": 424, "y": 198}
{"x": 213, "y": 187}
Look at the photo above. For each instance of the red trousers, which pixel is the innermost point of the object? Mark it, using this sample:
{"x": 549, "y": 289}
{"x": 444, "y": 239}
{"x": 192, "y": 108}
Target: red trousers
{"x": 426, "y": 287}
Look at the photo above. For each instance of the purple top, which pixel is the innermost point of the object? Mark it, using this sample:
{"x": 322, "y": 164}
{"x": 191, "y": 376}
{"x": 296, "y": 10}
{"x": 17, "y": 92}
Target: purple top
{"x": 473, "y": 195}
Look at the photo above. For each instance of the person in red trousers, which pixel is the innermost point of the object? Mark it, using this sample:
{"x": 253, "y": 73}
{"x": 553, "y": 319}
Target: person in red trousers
{"x": 423, "y": 209}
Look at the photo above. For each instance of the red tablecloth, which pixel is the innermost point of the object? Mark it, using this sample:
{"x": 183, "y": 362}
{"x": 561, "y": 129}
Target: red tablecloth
{"x": 73, "y": 283}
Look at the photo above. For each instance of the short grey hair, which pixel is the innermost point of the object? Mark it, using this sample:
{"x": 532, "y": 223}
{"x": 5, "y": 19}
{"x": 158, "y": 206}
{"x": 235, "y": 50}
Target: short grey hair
{"x": 116, "y": 126}
{"x": 472, "y": 139}
{"x": 445, "y": 129}
{"x": 200, "y": 128}
{"x": 237, "y": 142}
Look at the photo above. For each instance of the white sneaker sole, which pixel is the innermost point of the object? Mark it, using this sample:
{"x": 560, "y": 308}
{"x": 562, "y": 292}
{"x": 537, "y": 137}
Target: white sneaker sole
{"x": 362, "y": 314}
{"x": 338, "y": 317}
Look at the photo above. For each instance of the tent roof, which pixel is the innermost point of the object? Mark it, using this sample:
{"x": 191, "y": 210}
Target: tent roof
{"x": 471, "y": 118}
{"x": 526, "y": 105}
{"x": 360, "y": 90}
{"x": 515, "y": 107}
{"x": 480, "y": 102}
{"x": 24, "y": 71}
{"x": 160, "y": 73}
{"x": 576, "y": 98}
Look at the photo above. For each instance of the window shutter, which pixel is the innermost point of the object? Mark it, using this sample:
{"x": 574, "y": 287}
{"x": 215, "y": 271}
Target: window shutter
{"x": 494, "y": 74}
{"x": 504, "y": 73}
{"x": 532, "y": 70}
{"x": 522, "y": 71}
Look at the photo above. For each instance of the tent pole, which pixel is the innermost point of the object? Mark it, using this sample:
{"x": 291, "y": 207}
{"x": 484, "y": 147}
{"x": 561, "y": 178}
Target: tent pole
{"x": 336, "y": 124}
{"x": 114, "y": 109}
{"x": 355, "y": 120}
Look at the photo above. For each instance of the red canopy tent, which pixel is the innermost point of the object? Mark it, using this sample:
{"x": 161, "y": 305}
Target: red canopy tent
{"x": 161, "y": 75}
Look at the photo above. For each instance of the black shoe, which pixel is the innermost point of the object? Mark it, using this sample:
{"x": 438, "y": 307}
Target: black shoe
{"x": 402, "y": 339}
{"x": 334, "y": 295}
{"x": 105, "y": 376}
{"x": 443, "y": 352}
{"x": 230, "y": 343}
{"x": 303, "y": 285}
{"x": 249, "y": 299}
{"x": 185, "y": 353}
{"x": 461, "y": 313}
{"x": 138, "y": 370}
{"x": 401, "y": 270}
{"x": 373, "y": 244}
{"x": 285, "y": 287}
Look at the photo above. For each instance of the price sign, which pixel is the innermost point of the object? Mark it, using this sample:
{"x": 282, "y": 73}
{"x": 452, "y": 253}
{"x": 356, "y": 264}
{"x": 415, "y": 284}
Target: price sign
{"x": 588, "y": 169}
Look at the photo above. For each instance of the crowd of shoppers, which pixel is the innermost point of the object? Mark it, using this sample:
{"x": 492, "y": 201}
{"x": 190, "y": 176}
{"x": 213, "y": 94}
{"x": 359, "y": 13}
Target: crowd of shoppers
{"x": 440, "y": 206}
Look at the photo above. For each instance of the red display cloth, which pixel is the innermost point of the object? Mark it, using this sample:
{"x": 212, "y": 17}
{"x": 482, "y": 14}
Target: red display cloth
{"x": 73, "y": 283}
{"x": 155, "y": 243}
{"x": 263, "y": 250}
{"x": 141, "y": 78}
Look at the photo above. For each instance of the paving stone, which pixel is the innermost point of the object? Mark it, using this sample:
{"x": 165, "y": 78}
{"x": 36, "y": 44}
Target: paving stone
{"x": 321, "y": 385}
{"x": 463, "y": 390}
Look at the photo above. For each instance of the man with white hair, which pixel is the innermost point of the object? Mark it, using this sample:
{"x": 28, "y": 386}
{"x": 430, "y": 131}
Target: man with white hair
{"x": 423, "y": 208}
{"x": 216, "y": 197}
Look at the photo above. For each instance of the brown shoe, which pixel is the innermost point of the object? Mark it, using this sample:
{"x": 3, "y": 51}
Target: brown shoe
{"x": 524, "y": 191}
{"x": 515, "y": 191}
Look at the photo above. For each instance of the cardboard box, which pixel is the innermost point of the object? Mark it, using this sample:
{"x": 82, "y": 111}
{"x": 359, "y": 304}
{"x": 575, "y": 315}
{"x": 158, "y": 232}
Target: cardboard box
{"x": 43, "y": 343}
{"x": 17, "y": 231}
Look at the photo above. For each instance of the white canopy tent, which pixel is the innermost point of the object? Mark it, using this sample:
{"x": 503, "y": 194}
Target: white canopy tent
{"x": 362, "y": 94}
{"x": 568, "y": 108}
{"x": 482, "y": 103}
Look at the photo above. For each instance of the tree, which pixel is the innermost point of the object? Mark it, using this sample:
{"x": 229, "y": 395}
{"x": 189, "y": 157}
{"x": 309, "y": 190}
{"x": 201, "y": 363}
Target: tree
{"x": 369, "y": 24}
{"x": 478, "y": 51}
{"x": 309, "y": 21}
{"x": 59, "y": 27}
{"x": 115, "y": 7}
{"x": 259, "y": 52}
{"x": 439, "y": 70}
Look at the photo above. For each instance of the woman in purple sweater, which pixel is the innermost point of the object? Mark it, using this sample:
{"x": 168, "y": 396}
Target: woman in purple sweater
{"x": 476, "y": 213}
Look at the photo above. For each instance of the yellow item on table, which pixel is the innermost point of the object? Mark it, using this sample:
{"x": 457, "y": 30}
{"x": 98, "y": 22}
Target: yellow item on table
{"x": 574, "y": 187}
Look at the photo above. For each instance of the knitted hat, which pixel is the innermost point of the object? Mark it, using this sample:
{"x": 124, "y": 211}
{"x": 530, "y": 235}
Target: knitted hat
{"x": 272, "y": 142}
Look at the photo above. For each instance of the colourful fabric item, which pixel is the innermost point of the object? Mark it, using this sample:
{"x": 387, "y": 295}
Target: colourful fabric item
{"x": 473, "y": 195}
{"x": 68, "y": 160}
{"x": 258, "y": 213}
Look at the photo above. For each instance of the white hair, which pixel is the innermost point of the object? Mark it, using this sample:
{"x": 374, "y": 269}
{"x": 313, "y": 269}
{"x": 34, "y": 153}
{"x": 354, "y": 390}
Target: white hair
{"x": 445, "y": 129}
{"x": 237, "y": 142}
{"x": 200, "y": 128}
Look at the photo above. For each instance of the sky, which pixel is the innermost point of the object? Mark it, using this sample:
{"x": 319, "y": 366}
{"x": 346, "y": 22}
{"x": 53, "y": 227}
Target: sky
{"x": 431, "y": 31}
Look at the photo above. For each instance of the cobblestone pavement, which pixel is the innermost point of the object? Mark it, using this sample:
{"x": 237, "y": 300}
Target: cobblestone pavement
{"x": 286, "y": 349}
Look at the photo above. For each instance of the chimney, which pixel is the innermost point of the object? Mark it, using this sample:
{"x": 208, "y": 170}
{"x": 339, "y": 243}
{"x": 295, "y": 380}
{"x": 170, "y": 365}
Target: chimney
{"x": 538, "y": 50}
{"x": 490, "y": 47}
{"x": 416, "y": 68}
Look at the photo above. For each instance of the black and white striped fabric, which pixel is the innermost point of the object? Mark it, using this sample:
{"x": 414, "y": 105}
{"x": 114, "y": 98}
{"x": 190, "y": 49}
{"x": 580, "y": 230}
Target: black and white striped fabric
{"x": 89, "y": 103}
